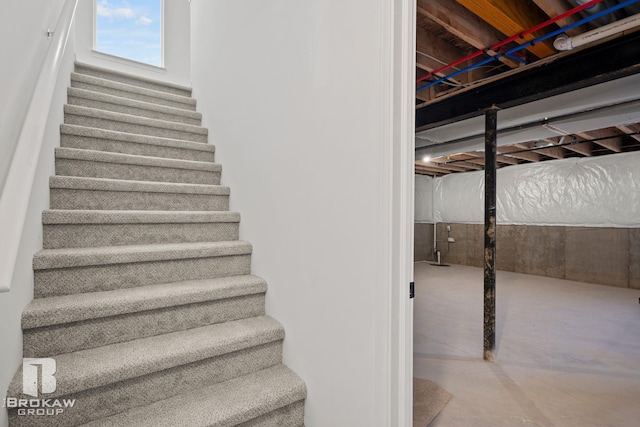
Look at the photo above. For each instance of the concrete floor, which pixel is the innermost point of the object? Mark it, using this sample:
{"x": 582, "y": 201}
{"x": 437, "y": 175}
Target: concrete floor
{"x": 568, "y": 353}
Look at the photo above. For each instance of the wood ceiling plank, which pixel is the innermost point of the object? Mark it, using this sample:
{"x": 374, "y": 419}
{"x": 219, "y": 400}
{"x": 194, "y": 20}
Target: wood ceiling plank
{"x": 604, "y": 138}
{"x": 463, "y": 24}
{"x": 512, "y": 17}
{"x": 554, "y": 8}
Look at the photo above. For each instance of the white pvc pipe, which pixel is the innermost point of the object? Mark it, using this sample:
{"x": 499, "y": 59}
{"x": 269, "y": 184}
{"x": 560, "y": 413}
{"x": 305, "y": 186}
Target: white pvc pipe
{"x": 14, "y": 200}
{"x": 564, "y": 42}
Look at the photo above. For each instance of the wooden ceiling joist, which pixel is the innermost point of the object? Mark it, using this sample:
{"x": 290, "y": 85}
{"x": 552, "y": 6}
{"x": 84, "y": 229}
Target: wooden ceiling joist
{"x": 555, "y": 152}
{"x": 604, "y": 138}
{"x": 517, "y": 152}
{"x": 629, "y": 130}
{"x": 463, "y": 24}
{"x": 584, "y": 148}
{"x": 512, "y": 17}
{"x": 555, "y": 8}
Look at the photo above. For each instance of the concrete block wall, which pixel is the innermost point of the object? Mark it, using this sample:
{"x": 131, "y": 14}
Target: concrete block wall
{"x": 606, "y": 256}
{"x": 423, "y": 241}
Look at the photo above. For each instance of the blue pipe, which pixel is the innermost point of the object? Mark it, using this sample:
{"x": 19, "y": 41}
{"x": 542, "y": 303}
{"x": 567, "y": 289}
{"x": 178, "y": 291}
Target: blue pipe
{"x": 510, "y": 52}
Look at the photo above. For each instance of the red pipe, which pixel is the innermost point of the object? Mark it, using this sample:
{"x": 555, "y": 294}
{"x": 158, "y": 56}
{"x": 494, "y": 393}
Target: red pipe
{"x": 512, "y": 38}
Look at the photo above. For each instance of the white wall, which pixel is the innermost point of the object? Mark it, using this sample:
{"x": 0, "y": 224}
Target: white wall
{"x": 177, "y": 51}
{"x": 594, "y": 192}
{"x": 13, "y": 302}
{"x": 23, "y": 46}
{"x": 290, "y": 91}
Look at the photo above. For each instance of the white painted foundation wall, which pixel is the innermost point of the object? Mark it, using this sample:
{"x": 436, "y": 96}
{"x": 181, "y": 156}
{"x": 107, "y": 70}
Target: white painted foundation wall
{"x": 291, "y": 93}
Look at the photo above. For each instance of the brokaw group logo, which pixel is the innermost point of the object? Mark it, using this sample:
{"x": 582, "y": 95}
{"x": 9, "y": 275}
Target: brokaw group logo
{"x": 38, "y": 377}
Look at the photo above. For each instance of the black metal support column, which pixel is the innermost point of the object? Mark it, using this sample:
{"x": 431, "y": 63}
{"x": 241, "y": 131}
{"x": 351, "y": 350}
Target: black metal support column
{"x": 491, "y": 121}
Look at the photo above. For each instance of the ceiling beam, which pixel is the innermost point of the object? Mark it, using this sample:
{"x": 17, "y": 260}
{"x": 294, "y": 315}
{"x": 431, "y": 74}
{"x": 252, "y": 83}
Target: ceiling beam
{"x": 584, "y": 148}
{"x": 529, "y": 156}
{"x": 604, "y": 138}
{"x": 512, "y": 17}
{"x": 555, "y": 152}
{"x": 463, "y": 24}
{"x": 507, "y": 159}
{"x": 629, "y": 129}
{"x": 564, "y": 73}
{"x": 455, "y": 168}
{"x": 554, "y": 8}
{"x": 436, "y": 47}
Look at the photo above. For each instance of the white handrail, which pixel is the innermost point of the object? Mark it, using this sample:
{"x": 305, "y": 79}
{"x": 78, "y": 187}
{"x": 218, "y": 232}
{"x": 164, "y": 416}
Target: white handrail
{"x": 14, "y": 200}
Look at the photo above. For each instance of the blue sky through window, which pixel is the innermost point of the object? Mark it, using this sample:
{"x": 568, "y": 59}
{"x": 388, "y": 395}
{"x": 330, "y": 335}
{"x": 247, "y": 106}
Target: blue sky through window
{"x": 130, "y": 29}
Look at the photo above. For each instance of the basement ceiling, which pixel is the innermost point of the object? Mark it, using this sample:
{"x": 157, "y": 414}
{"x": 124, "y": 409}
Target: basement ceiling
{"x": 451, "y": 30}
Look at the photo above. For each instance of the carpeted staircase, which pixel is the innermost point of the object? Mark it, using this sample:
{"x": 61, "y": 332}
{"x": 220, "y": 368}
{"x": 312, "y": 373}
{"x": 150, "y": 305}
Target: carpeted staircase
{"x": 143, "y": 293}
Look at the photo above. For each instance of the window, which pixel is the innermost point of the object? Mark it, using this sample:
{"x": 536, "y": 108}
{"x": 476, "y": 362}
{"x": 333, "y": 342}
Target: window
{"x": 130, "y": 29}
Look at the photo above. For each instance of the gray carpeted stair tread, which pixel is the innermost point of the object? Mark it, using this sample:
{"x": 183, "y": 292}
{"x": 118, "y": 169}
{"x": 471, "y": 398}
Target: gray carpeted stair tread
{"x": 74, "y": 136}
{"x": 70, "y": 192}
{"x": 131, "y": 159}
{"x": 135, "y": 80}
{"x": 91, "y": 228}
{"x": 233, "y": 402}
{"x": 93, "y": 99}
{"x": 83, "y": 81}
{"x": 58, "y": 216}
{"x": 132, "y": 167}
{"x": 92, "y": 117}
{"x": 43, "y": 312}
{"x": 97, "y": 367}
{"x": 102, "y": 184}
{"x": 48, "y": 259}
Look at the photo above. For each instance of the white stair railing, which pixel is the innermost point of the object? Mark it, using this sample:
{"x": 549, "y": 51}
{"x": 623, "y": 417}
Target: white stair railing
{"x": 16, "y": 194}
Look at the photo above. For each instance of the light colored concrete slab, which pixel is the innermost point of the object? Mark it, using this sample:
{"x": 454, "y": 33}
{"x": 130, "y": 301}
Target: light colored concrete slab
{"x": 567, "y": 352}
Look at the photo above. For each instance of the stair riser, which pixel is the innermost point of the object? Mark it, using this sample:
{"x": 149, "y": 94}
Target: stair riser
{"x": 92, "y": 169}
{"x": 66, "y": 338}
{"x": 67, "y": 281}
{"x": 106, "y": 401}
{"x": 94, "y": 235}
{"x": 131, "y": 81}
{"x": 288, "y": 416}
{"x": 62, "y": 198}
{"x": 134, "y": 96}
{"x": 73, "y": 100}
{"x": 125, "y": 147}
{"x": 99, "y": 123}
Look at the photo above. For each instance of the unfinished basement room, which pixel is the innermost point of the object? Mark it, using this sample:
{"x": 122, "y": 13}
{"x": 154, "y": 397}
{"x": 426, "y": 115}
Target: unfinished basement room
{"x": 527, "y": 213}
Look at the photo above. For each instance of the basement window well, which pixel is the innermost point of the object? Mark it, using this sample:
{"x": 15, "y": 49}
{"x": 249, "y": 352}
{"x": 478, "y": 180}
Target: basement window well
{"x": 130, "y": 29}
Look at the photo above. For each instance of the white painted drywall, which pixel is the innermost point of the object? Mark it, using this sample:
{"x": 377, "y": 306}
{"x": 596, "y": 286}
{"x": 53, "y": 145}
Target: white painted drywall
{"x": 23, "y": 46}
{"x": 176, "y": 44}
{"x": 593, "y": 192}
{"x": 290, "y": 91}
{"x": 13, "y": 302}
